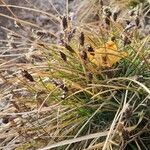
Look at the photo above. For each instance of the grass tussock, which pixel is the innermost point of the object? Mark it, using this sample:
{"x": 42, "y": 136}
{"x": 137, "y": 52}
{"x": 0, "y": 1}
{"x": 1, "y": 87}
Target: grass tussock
{"x": 86, "y": 87}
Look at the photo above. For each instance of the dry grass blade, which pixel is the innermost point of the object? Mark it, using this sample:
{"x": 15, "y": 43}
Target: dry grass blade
{"x": 66, "y": 142}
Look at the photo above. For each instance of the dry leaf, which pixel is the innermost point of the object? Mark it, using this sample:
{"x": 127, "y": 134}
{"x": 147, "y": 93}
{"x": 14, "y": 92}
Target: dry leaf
{"x": 107, "y": 56}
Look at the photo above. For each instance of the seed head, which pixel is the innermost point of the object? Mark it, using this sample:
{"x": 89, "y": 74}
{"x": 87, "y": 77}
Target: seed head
{"x": 68, "y": 47}
{"x": 115, "y": 15}
{"x": 125, "y": 134}
{"x": 107, "y": 21}
{"x": 128, "y": 112}
{"x": 64, "y": 23}
{"x": 84, "y": 55}
{"x": 137, "y": 21}
{"x": 126, "y": 41}
{"x": 27, "y": 75}
{"x": 107, "y": 12}
{"x": 132, "y": 13}
{"x": 81, "y": 39}
{"x": 63, "y": 56}
{"x": 101, "y": 3}
{"x": 61, "y": 85}
{"x": 128, "y": 22}
{"x": 41, "y": 34}
{"x": 5, "y": 120}
{"x": 90, "y": 49}
{"x": 113, "y": 38}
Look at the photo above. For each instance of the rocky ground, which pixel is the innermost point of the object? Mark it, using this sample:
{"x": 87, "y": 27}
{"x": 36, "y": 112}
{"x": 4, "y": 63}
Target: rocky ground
{"x": 56, "y": 7}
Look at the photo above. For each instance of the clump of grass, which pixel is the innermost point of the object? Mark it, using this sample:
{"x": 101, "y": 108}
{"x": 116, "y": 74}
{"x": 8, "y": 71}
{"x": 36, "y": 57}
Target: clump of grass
{"x": 81, "y": 92}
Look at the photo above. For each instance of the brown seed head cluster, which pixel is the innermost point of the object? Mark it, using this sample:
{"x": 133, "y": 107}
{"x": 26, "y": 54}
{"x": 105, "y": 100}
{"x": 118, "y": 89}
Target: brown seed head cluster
{"x": 27, "y": 75}
{"x": 82, "y": 39}
{"x": 64, "y": 23}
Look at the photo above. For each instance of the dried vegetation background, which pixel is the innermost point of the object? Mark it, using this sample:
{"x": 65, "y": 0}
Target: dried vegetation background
{"x": 74, "y": 74}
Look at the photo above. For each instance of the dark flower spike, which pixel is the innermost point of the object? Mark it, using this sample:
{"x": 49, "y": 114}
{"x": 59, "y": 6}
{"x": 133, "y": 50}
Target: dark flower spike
{"x": 107, "y": 21}
{"x": 64, "y": 23}
{"x": 108, "y": 13}
{"x": 101, "y": 2}
{"x": 68, "y": 47}
{"x": 84, "y": 55}
{"x": 41, "y": 34}
{"x": 5, "y": 120}
{"x": 63, "y": 56}
{"x": 27, "y": 75}
{"x": 137, "y": 21}
{"x": 90, "y": 49}
{"x": 61, "y": 85}
{"x": 82, "y": 39}
{"x": 125, "y": 135}
{"x": 113, "y": 38}
{"x": 128, "y": 22}
{"x": 132, "y": 13}
{"x": 74, "y": 31}
{"x": 96, "y": 17}
{"x": 128, "y": 112}
{"x": 115, "y": 15}
{"x": 126, "y": 41}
